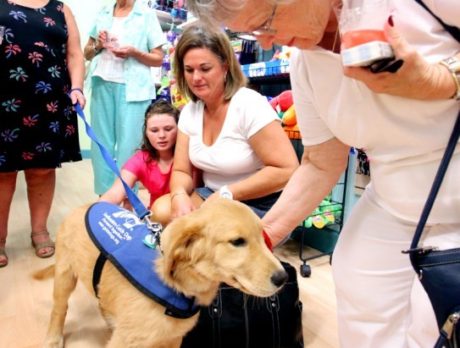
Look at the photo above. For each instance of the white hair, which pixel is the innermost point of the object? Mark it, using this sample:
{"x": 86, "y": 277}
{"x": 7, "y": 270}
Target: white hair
{"x": 216, "y": 11}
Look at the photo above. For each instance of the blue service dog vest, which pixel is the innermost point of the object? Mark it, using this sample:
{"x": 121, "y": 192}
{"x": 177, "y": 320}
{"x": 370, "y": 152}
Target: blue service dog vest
{"x": 119, "y": 234}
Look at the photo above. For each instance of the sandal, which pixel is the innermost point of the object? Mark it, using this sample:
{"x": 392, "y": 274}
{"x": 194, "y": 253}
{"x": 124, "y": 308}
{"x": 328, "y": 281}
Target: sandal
{"x": 3, "y": 257}
{"x": 40, "y": 247}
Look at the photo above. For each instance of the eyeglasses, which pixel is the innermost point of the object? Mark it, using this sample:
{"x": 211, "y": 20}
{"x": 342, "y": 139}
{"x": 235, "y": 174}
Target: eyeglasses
{"x": 265, "y": 28}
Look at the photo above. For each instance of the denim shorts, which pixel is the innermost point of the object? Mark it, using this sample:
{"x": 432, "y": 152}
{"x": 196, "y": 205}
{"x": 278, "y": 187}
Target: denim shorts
{"x": 260, "y": 206}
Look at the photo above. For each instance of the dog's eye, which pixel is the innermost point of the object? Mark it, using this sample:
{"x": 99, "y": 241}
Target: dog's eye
{"x": 238, "y": 242}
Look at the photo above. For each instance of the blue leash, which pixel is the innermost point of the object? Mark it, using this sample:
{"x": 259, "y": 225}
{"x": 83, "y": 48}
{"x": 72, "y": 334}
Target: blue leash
{"x": 142, "y": 212}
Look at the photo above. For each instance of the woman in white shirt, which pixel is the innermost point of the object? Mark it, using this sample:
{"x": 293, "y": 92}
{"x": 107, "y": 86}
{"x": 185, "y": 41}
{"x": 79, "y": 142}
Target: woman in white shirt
{"x": 227, "y": 131}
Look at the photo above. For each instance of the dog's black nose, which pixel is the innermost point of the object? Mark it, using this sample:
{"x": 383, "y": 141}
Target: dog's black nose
{"x": 279, "y": 278}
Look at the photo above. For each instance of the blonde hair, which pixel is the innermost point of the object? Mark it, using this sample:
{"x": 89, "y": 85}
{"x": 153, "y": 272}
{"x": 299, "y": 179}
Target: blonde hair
{"x": 200, "y": 36}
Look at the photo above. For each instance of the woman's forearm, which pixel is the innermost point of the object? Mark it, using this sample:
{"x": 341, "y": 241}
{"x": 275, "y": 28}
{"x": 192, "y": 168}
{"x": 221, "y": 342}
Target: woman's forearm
{"x": 92, "y": 48}
{"x": 152, "y": 58}
{"x": 262, "y": 183}
{"x": 180, "y": 183}
{"x": 307, "y": 187}
{"x": 76, "y": 67}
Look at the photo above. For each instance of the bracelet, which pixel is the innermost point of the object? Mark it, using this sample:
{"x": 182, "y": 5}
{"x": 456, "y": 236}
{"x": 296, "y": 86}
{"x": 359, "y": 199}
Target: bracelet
{"x": 453, "y": 65}
{"x": 76, "y": 89}
{"x": 178, "y": 193}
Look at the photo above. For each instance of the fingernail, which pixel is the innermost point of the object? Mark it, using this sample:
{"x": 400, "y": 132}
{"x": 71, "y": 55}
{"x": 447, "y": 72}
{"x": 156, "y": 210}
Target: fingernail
{"x": 390, "y": 21}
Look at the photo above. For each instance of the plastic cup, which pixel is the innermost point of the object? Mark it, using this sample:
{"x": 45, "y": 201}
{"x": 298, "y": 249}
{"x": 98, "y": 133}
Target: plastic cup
{"x": 361, "y": 24}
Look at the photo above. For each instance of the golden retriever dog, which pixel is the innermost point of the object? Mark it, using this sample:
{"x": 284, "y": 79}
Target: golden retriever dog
{"x": 219, "y": 242}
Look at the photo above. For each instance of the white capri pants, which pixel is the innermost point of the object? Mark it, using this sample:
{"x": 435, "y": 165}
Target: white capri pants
{"x": 380, "y": 301}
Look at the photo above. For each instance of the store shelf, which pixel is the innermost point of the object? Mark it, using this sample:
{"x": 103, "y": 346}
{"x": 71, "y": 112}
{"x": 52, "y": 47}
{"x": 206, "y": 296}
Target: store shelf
{"x": 263, "y": 70}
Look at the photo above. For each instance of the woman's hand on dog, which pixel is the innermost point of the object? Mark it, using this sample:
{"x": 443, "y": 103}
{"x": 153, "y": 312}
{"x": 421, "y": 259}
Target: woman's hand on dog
{"x": 181, "y": 205}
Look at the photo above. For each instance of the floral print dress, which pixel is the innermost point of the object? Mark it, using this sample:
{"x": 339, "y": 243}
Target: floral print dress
{"x": 38, "y": 126}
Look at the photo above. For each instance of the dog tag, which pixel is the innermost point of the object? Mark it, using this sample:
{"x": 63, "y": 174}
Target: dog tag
{"x": 150, "y": 241}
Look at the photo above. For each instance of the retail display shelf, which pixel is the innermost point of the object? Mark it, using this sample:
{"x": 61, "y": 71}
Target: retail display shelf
{"x": 266, "y": 69}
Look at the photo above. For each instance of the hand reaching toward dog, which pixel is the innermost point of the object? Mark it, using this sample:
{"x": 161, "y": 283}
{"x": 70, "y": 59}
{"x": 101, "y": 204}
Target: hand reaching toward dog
{"x": 181, "y": 204}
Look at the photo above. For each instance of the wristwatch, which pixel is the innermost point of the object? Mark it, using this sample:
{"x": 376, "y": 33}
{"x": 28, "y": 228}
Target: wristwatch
{"x": 224, "y": 192}
{"x": 95, "y": 49}
{"x": 453, "y": 65}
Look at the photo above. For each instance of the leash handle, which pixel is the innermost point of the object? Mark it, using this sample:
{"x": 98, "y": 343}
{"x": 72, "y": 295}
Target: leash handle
{"x": 141, "y": 211}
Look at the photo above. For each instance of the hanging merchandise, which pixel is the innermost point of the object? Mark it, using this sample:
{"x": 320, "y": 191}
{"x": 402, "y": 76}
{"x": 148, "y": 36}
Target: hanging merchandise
{"x": 166, "y": 73}
{"x": 248, "y": 53}
{"x": 284, "y": 106}
{"x": 363, "y": 163}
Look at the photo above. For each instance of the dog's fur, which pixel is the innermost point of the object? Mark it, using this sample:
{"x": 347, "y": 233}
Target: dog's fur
{"x": 220, "y": 242}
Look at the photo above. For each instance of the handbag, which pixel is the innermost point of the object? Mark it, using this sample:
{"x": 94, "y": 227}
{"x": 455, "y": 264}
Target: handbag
{"x": 237, "y": 320}
{"x": 439, "y": 270}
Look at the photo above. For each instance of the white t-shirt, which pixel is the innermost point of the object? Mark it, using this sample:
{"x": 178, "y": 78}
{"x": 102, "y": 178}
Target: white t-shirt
{"x": 403, "y": 138}
{"x": 231, "y": 157}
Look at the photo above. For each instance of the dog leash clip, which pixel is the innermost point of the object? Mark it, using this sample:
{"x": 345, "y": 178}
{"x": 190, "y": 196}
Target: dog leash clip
{"x": 152, "y": 240}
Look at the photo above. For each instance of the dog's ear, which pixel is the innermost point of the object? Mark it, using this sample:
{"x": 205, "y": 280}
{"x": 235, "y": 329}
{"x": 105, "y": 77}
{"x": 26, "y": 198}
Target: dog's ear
{"x": 177, "y": 243}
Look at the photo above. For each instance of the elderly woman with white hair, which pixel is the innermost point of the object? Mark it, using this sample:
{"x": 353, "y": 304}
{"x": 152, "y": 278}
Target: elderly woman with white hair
{"x": 401, "y": 114}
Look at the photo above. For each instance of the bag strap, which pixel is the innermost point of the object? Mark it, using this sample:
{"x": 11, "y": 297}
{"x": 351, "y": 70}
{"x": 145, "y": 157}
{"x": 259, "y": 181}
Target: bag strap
{"x": 454, "y": 31}
{"x": 435, "y": 187}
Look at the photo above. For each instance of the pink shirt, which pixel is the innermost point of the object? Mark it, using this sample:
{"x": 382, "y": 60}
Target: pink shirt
{"x": 149, "y": 174}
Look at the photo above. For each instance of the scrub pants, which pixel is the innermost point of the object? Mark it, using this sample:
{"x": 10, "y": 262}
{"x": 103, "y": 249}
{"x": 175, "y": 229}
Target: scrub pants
{"x": 380, "y": 301}
{"x": 118, "y": 126}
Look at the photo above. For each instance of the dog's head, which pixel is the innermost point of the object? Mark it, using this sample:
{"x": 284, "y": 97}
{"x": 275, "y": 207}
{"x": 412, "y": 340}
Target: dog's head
{"x": 220, "y": 242}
